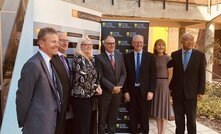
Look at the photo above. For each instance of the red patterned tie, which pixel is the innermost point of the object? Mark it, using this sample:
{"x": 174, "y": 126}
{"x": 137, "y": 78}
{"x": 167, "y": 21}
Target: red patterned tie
{"x": 112, "y": 61}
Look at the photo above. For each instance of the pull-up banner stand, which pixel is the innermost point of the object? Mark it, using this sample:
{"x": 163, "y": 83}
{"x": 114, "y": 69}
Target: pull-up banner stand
{"x": 123, "y": 31}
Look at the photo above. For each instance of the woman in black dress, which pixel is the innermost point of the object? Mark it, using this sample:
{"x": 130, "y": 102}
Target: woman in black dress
{"x": 85, "y": 85}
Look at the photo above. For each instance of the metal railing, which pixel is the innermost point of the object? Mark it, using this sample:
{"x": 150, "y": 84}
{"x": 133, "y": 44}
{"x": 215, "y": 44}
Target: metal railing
{"x": 3, "y": 89}
{"x": 186, "y": 2}
{"x": 11, "y": 23}
{"x": 218, "y": 76}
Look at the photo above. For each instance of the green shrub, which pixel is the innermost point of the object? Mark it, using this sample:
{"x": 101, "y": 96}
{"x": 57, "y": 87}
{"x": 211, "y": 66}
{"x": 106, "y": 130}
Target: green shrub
{"x": 210, "y": 106}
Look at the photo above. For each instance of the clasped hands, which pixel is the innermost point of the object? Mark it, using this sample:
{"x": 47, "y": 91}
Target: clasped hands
{"x": 98, "y": 90}
{"x": 116, "y": 89}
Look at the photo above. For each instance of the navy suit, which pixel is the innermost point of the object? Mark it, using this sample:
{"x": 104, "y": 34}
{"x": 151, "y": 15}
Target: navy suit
{"x": 65, "y": 82}
{"x": 138, "y": 95}
{"x": 108, "y": 102}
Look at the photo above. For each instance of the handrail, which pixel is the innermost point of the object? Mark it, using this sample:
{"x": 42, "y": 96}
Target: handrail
{"x": 10, "y": 36}
{"x": 214, "y": 74}
{"x": 2, "y": 86}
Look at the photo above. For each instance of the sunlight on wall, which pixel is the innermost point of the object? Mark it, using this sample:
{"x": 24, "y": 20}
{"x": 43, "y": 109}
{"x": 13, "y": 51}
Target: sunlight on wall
{"x": 159, "y": 33}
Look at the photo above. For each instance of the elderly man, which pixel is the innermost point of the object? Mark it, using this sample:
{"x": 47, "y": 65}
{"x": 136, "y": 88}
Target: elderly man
{"x": 62, "y": 68}
{"x": 187, "y": 84}
{"x": 140, "y": 84}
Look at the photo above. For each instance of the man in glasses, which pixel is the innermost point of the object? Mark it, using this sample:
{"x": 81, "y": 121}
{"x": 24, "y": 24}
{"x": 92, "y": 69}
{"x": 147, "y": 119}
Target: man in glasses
{"x": 187, "y": 84}
{"x": 62, "y": 68}
{"x": 113, "y": 74}
{"x": 140, "y": 84}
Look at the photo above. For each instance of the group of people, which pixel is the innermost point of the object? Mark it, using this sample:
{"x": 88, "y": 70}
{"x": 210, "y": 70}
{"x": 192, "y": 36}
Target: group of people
{"x": 49, "y": 85}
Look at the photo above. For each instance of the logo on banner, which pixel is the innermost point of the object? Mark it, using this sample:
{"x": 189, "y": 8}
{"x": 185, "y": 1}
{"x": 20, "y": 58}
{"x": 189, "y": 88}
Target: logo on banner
{"x": 130, "y": 34}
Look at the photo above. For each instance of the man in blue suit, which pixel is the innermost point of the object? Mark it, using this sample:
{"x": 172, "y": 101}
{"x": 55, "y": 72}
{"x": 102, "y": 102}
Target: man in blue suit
{"x": 39, "y": 95}
{"x": 140, "y": 84}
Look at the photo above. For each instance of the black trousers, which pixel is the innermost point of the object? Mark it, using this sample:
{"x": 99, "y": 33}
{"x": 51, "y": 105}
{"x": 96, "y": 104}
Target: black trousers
{"x": 182, "y": 107}
{"x": 60, "y": 125}
{"x": 69, "y": 126}
{"x": 108, "y": 111}
{"x": 138, "y": 112}
{"x": 82, "y": 115}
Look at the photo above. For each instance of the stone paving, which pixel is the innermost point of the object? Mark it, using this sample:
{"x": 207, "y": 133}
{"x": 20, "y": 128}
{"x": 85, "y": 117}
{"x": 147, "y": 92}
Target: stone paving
{"x": 201, "y": 129}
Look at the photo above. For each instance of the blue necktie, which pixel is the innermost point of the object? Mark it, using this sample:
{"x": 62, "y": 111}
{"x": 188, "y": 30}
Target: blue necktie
{"x": 138, "y": 69}
{"x": 185, "y": 60}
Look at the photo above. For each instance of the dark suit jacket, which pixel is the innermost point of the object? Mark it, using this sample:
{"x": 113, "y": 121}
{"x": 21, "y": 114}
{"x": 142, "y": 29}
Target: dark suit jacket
{"x": 65, "y": 80}
{"x": 191, "y": 82}
{"x": 109, "y": 77}
{"x": 36, "y": 98}
{"x": 147, "y": 74}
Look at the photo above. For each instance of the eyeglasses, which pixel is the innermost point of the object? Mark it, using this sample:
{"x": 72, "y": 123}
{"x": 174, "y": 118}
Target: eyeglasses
{"x": 87, "y": 44}
{"x": 136, "y": 42}
{"x": 110, "y": 43}
{"x": 64, "y": 40}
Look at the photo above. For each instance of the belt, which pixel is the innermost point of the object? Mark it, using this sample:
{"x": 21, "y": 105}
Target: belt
{"x": 162, "y": 78}
{"x": 137, "y": 84}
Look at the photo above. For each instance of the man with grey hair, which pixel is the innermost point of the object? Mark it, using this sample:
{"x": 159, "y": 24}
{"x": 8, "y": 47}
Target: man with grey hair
{"x": 62, "y": 68}
{"x": 187, "y": 84}
{"x": 140, "y": 84}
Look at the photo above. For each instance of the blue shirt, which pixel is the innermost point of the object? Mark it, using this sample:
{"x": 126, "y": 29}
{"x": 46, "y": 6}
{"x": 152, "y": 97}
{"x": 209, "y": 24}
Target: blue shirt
{"x": 188, "y": 54}
{"x": 47, "y": 60}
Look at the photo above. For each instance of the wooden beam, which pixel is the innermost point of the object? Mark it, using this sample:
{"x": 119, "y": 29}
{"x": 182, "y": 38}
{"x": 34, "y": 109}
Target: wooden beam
{"x": 187, "y": 5}
{"x": 164, "y": 4}
{"x": 112, "y": 2}
{"x": 139, "y": 3}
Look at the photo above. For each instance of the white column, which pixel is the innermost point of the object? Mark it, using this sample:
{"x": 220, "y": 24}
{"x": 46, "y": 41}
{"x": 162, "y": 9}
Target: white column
{"x": 209, "y": 38}
{"x": 182, "y": 31}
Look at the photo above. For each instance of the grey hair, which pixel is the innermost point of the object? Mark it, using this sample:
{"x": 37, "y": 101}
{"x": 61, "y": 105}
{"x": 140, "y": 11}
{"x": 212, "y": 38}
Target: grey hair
{"x": 137, "y": 36}
{"x": 186, "y": 35}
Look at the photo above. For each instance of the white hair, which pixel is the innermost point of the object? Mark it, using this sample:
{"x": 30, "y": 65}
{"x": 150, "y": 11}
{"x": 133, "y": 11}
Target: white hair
{"x": 187, "y": 35}
{"x": 137, "y": 36}
{"x": 81, "y": 41}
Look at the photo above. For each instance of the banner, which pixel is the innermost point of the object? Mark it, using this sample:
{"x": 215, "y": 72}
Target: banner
{"x": 123, "y": 31}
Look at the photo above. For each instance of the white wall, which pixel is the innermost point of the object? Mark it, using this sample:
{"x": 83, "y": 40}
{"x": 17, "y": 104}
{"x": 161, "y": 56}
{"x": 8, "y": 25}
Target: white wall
{"x": 51, "y": 12}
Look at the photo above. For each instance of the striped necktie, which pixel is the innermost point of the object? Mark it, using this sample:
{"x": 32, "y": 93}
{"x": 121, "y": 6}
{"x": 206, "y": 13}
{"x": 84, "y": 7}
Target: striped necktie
{"x": 112, "y": 61}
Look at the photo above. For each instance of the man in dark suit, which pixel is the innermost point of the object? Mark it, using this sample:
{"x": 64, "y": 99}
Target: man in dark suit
{"x": 187, "y": 84}
{"x": 112, "y": 76}
{"x": 39, "y": 95}
{"x": 62, "y": 68}
{"x": 140, "y": 84}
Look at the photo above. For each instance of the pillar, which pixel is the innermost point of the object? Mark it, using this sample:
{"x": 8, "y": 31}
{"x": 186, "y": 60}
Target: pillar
{"x": 182, "y": 30}
{"x": 209, "y": 38}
